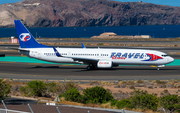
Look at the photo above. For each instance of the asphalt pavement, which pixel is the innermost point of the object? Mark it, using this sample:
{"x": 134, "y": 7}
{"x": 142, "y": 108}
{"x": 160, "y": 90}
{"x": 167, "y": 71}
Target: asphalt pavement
{"x": 79, "y": 72}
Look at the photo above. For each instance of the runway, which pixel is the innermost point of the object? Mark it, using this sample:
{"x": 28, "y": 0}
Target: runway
{"x": 71, "y": 72}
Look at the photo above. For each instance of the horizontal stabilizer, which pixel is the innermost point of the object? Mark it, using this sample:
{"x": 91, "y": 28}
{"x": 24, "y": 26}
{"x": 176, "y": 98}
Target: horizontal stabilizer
{"x": 20, "y": 49}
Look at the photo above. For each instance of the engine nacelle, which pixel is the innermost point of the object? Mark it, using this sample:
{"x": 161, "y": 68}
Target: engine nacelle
{"x": 104, "y": 64}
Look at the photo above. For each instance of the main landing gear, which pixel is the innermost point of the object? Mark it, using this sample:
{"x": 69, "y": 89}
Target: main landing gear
{"x": 90, "y": 67}
{"x": 158, "y": 68}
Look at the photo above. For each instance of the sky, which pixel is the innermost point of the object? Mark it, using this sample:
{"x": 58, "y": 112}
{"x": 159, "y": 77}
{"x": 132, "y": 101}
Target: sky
{"x": 161, "y": 2}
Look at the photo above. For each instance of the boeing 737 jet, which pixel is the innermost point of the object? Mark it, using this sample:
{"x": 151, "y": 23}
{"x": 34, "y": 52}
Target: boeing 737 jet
{"x": 94, "y": 58}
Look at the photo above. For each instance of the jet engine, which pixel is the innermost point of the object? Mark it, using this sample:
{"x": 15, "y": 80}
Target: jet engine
{"x": 104, "y": 64}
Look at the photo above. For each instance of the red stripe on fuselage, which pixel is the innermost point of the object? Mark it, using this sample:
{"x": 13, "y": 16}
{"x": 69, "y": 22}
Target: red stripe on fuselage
{"x": 154, "y": 57}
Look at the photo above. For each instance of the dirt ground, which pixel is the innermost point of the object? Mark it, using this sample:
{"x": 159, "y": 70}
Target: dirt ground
{"x": 124, "y": 89}
{"x": 157, "y": 91}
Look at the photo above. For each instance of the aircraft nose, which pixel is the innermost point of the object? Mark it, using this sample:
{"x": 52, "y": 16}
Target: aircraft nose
{"x": 171, "y": 59}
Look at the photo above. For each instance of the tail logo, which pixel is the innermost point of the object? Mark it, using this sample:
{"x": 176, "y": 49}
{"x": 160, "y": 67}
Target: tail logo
{"x": 25, "y": 37}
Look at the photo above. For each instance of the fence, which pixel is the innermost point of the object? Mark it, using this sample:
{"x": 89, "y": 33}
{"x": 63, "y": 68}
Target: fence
{"x": 14, "y": 111}
{"x": 53, "y": 104}
{"x": 11, "y": 111}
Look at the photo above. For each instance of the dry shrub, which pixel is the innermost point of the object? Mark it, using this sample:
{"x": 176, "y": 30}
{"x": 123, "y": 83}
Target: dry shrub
{"x": 109, "y": 83}
{"x": 177, "y": 85}
{"x": 165, "y": 92}
{"x": 150, "y": 111}
{"x": 95, "y": 83}
{"x": 160, "y": 82}
{"x": 62, "y": 99}
{"x": 122, "y": 82}
{"x": 62, "y": 87}
{"x": 140, "y": 81}
{"x": 93, "y": 105}
{"x": 115, "y": 107}
{"x": 155, "y": 84}
{"x": 130, "y": 82}
{"x": 72, "y": 103}
{"x": 103, "y": 82}
{"x": 106, "y": 105}
{"x": 138, "y": 110}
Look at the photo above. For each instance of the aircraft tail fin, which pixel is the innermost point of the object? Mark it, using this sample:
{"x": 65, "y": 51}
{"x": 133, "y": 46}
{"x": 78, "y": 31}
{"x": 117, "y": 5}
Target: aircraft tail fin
{"x": 26, "y": 40}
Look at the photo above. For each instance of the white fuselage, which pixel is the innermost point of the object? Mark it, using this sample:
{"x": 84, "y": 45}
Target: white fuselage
{"x": 116, "y": 56}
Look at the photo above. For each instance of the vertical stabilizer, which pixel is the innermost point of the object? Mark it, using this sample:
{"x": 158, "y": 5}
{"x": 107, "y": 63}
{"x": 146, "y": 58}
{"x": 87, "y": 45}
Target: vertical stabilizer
{"x": 26, "y": 40}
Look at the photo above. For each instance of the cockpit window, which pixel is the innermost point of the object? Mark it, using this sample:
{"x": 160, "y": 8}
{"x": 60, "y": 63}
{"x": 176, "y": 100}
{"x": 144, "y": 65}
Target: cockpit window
{"x": 164, "y": 55}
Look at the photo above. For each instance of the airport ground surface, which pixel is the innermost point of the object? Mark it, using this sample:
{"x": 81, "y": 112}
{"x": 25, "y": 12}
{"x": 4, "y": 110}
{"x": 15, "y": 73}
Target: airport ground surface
{"x": 39, "y": 70}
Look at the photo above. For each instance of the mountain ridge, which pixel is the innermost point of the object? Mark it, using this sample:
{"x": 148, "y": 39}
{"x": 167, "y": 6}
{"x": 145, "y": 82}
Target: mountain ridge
{"x": 82, "y": 13}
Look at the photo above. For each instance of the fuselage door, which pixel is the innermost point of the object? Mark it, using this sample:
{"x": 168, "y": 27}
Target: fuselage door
{"x": 36, "y": 54}
{"x": 39, "y": 54}
{"x": 33, "y": 53}
{"x": 69, "y": 53}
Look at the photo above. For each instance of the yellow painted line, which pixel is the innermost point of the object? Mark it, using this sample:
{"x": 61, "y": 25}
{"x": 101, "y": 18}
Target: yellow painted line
{"x": 24, "y": 55}
{"x": 153, "y": 66}
{"x": 66, "y": 65}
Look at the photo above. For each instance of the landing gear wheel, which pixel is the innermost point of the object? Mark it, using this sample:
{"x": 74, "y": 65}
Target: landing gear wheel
{"x": 88, "y": 67}
{"x": 158, "y": 68}
{"x": 91, "y": 67}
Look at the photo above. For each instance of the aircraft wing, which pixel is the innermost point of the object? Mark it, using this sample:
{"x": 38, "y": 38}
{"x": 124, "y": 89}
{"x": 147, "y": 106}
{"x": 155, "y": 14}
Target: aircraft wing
{"x": 84, "y": 60}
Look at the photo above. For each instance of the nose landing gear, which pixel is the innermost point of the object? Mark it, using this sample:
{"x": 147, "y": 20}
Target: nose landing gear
{"x": 160, "y": 66}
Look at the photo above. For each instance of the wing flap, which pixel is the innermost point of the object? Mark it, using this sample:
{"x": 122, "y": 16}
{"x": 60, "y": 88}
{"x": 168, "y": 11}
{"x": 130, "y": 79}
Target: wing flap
{"x": 85, "y": 60}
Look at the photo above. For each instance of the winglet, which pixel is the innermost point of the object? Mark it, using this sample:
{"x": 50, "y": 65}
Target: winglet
{"x": 57, "y": 53}
{"x": 83, "y": 46}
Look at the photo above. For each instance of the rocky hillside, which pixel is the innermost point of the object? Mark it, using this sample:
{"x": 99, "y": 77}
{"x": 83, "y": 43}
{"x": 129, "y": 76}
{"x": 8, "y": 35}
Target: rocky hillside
{"x": 57, "y": 13}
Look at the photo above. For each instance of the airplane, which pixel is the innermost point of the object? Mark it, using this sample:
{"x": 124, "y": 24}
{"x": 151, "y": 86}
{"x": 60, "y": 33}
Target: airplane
{"x": 93, "y": 57}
